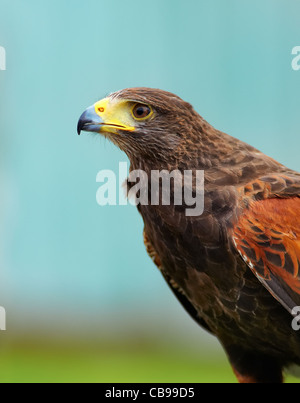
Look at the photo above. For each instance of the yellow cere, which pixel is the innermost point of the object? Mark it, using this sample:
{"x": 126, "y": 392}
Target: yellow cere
{"x": 116, "y": 115}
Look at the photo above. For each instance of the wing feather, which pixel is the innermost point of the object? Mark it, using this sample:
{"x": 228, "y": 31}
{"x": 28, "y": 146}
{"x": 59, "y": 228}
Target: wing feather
{"x": 267, "y": 236}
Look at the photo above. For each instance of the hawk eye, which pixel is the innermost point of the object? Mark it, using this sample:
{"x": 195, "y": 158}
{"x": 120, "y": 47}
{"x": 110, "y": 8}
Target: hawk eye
{"x": 141, "y": 111}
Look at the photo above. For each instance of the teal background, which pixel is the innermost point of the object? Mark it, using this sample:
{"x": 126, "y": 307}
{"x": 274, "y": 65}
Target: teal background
{"x": 69, "y": 267}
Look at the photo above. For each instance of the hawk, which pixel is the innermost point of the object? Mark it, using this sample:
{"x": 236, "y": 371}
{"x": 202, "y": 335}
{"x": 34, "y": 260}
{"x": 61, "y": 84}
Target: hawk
{"x": 235, "y": 267}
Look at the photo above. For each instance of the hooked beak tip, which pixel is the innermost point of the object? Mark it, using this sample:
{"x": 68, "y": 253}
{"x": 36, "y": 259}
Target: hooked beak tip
{"x": 89, "y": 121}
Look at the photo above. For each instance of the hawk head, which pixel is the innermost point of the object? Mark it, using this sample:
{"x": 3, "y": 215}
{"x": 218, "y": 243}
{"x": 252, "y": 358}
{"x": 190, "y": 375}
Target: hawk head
{"x": 145, "y": 123}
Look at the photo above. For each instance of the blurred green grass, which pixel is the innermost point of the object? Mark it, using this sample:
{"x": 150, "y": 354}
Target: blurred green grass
{"x": 34, "y": 362}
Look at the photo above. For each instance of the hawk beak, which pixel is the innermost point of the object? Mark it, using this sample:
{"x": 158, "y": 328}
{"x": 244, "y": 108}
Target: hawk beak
{"x": 89, "y": 121}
